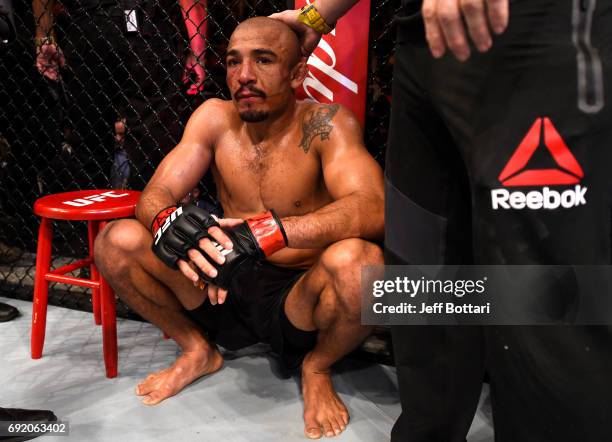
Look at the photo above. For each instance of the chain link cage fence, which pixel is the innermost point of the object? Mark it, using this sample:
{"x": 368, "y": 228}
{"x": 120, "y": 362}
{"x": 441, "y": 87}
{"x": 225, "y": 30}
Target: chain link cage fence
{"x": 118, "y": 106}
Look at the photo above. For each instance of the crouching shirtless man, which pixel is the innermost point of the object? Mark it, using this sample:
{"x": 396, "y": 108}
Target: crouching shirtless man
{"x": 302, "y": 200}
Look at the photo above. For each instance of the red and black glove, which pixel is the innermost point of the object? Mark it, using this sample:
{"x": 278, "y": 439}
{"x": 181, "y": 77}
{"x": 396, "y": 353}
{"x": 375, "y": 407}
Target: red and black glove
{"x": 255, "y": 239}
{"x": 178, "y": 229}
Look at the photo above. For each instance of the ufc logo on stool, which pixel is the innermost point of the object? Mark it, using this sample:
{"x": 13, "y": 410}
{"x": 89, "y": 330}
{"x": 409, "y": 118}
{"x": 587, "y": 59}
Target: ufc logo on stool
{"x": 91, "y": 199}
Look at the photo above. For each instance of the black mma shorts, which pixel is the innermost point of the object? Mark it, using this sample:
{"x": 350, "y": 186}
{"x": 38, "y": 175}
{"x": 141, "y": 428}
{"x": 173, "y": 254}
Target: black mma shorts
{"x": 254, "y": 311}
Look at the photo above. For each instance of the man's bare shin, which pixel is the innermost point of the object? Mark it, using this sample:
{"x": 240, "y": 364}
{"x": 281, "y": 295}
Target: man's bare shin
{"x": 335, "y": 339}
{"x": 159, "y": 308}
{"x": 127, "y": 267}
{"x": 328, "y": 299}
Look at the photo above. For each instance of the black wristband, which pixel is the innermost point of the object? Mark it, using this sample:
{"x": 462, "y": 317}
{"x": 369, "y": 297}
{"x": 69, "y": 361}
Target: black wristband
{"x": 280, "y": 226}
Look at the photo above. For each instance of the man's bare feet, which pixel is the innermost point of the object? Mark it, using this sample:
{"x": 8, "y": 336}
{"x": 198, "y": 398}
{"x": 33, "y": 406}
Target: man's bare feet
{"x": 324, "y": 412}
{"x": 187, "y": 368}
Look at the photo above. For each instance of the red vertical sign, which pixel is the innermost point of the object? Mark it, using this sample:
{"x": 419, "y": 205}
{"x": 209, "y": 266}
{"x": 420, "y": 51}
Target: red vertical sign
{"x": 338, "y": 67}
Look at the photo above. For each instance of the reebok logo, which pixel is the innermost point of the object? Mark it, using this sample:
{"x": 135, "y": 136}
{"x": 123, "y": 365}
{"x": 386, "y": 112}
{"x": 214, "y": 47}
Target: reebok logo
{"x": 546, "y": 199}
{"x": 541, "y": 133}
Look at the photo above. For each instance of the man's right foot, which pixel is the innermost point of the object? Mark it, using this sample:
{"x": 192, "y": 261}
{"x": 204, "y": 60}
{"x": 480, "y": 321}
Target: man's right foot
{"x": 187, "y": 368}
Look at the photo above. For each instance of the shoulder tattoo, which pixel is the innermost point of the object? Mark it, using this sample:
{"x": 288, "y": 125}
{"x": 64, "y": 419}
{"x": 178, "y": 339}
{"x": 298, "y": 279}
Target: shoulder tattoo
{"x": 317, "y": 123}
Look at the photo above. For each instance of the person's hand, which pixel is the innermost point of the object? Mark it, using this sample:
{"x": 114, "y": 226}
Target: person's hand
{"x": 444, "y": 24}
{"x": 49, "y": 60}
{"x": 309, "y": 38}
{"x": 177, "y": 234}
{"x": 194, "y": 71}
{"x": 253, "y": 239}
{"x": 199, "y": 263}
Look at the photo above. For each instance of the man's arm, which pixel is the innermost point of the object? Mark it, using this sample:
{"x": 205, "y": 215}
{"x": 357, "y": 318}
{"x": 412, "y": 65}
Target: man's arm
{"x": 445, "y": 23}
{"x": 176, "y": 175}
{"x": 185, "y": 165}
{"x": 43, "y": 17}
{"x": 352, "y": 177}
{"x": 330, "y": 10}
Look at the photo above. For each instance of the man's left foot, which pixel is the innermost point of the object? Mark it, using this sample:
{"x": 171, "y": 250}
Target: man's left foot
{"x": 324, "y": 412}
{"x": 7, "y": 312}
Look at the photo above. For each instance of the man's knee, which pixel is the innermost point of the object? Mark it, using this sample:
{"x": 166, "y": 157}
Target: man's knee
{"x": 344, "y": 261}
{"x": 120, "y": 240}
{"x": 350, "y": 255}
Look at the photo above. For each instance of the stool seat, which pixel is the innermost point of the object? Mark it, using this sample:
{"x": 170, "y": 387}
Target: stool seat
{"x": 86, "y": 205}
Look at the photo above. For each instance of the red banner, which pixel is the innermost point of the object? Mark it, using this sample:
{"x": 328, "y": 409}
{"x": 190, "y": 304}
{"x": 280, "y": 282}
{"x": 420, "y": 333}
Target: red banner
{"x": 338, "y": 67}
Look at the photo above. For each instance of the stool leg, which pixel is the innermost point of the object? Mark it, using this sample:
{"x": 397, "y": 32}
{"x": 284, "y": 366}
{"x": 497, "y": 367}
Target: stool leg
{"x": 109, "y": 328}
{"x": 92, "y": 231}
{"x": 41, "y": 288}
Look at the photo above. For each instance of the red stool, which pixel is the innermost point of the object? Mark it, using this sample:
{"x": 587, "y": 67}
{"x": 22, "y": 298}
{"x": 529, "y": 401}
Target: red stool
{"x": 96, "y": 207}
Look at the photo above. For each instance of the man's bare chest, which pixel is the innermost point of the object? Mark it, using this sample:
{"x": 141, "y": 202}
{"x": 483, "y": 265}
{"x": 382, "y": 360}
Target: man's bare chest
{"x": 281, "y": 176}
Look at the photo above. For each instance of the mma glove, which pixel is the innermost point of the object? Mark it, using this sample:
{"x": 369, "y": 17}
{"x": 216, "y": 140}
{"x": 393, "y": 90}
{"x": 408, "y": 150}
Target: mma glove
{"x": 178, "y": 229}
{"x": 255, "y": 239}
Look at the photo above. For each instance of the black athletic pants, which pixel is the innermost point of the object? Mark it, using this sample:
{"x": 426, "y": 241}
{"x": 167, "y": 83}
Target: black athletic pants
{"x": 505, "y": 159}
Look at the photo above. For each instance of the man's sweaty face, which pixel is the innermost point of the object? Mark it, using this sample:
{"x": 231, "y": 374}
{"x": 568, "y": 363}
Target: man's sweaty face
{"x": 257, "y": 73}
